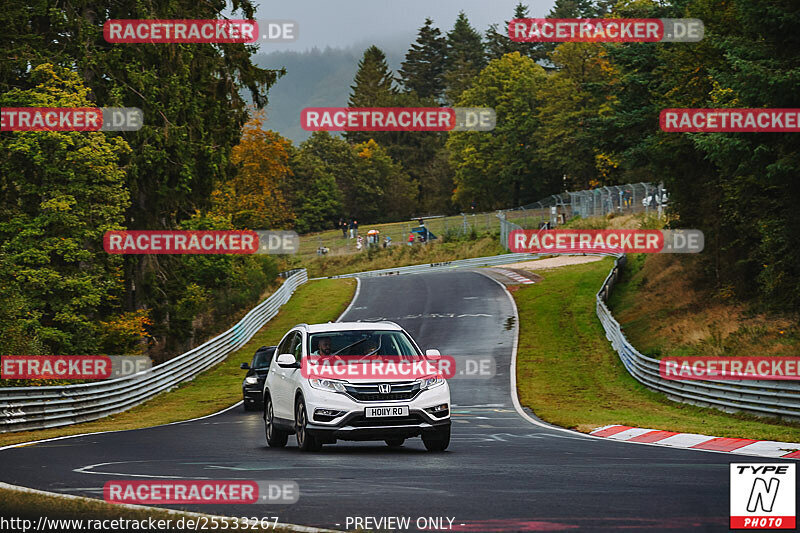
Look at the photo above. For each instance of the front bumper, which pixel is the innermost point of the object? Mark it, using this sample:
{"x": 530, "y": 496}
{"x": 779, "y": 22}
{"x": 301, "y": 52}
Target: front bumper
{"x": 252, "y": 396}
{"x": 356, "y": 427}
{"x": 353, "y": 425}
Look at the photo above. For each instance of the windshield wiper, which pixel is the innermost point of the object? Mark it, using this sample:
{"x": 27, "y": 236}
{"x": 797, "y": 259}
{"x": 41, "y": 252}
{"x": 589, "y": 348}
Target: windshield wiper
{"x": 337, "y": 352}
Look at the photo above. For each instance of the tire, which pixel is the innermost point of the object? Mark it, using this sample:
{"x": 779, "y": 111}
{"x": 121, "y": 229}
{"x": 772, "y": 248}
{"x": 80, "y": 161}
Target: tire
{"x": 306, "y": 442}
{"x": 276, "y": 438}
{"x": 249, "y": 407}
{"x": 437, "y": 442}
{"x": 394, "y": 443}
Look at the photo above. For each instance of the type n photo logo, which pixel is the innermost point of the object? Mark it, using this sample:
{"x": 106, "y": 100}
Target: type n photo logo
{"x": 763, "y": 495}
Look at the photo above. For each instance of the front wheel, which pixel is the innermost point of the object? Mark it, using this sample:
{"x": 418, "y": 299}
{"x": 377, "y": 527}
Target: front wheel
{"x": 275, "y": 437}
{"x": 438, "y": 441}
{"x": 305, "y": 441}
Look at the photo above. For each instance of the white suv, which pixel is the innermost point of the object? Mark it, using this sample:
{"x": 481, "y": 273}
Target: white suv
{"x": 320, "y": 411}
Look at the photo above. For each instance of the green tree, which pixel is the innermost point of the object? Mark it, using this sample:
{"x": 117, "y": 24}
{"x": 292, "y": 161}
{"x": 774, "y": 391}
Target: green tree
{"x": 386, "y": 191}
{"x": 423, "y": 69}
{"x": 60, "y": 192}
{"x": 500, "y": 168}
{"x": 753, "y": 63}
{"x": 338, "y": 160}
{"x": 374, "y": 82}
{"x": 202, "y": 291}
{"x": 191, "y": 96}
{"x": 414, "y": 151}
{"x": 573, "y": 100}
{"x": 466, "y": 57}
{"x": 570, "y": 9}
{"x": 315, "y": 195}
{"x": 373, "y": 87}
{"x": 499, "y": 44}
{"x": 372, "y": 186}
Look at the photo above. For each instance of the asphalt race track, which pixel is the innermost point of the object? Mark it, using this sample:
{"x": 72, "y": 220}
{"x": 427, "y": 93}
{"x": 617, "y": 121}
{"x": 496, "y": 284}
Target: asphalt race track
{"x": 501, "y": 472}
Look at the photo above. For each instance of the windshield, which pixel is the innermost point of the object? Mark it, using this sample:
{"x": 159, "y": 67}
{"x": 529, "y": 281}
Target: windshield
{"x": 363, "y": 342}
{"x": 263, "y": 358}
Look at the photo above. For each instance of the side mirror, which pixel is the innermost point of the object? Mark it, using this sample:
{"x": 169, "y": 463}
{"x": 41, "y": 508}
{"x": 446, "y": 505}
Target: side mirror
{"x": 245, "y": 366}
{"x": 286, "y": 360}
{"x": 433, "y": 354}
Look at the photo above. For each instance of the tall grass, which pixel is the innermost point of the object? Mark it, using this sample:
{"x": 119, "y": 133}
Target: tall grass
{"x": 452, "y": 248}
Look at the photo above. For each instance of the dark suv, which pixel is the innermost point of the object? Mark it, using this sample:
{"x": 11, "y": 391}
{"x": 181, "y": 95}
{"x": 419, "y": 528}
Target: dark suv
{"x": 253, "y": 383}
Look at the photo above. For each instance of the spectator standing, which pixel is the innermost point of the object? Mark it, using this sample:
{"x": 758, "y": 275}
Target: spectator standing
{"x": 410, "y": 239}
{"x": 351, "y": 228}
{"x": 355, "y": 227}
{"x": 343, "y": 227}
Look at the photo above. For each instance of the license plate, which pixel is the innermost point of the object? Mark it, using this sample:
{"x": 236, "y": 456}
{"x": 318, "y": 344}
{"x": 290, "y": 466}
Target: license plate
{"x": 395, "y": 410}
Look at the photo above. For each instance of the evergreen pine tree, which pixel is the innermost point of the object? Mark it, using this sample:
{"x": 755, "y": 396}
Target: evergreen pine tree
{"x": 499, "y": 44}
{"x": 374, "y": 83}
{"x": 465, "y": 57}
{"x": 571, "y": 9}
{"x": 373, "y": 87}
{"x": 423, "y": 69}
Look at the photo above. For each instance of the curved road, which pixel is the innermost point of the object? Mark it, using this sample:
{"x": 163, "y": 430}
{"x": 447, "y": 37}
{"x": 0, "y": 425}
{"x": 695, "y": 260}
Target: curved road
{"x": 501, "y": 472}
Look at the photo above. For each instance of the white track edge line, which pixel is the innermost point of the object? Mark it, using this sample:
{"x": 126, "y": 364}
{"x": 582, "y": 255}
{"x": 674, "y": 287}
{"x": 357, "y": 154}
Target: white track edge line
{"x": 20, "y": 444}
{"x": 523, "y": 414}
{"x": 17, "y": 488}
{"x": 353, "y": 301}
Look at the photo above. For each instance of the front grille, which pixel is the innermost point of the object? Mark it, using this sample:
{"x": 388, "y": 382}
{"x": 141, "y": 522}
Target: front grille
{"x": 383, "y": 397}
{"x": 368, "y": 392}
{"x": 363, "y": 422}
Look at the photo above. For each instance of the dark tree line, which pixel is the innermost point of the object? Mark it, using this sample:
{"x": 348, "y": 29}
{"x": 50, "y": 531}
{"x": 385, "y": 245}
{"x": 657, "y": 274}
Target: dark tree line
{"x": 190, "y": 95}
{"x": 570, "y": 116}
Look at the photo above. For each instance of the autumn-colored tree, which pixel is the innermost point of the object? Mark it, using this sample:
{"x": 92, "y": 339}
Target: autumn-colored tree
{"x": 254, "y": 198}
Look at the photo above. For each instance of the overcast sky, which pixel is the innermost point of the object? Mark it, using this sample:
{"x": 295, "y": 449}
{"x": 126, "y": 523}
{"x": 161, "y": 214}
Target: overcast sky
{"x": 342, "y": 23}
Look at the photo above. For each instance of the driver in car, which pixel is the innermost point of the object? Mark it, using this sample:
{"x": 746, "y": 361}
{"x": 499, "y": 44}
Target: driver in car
{"x": 323, "y": 347}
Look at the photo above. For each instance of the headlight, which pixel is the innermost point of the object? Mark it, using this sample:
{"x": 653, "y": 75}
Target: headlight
{"x": 252, "y": 380}
{"x": 327, "y": 384}
{"x": 429, "y": 383}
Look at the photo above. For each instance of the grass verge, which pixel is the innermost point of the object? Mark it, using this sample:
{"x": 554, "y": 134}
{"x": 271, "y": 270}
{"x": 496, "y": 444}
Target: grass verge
{"x": 220, "y": 386}
{"x": 666, "y": 309}
{"x": 568, "y": 374}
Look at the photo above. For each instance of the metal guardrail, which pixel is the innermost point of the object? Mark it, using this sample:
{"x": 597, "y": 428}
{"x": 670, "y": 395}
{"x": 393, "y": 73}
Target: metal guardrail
{"x": 775, "y": 398}
{"x": 25, "y": 408}
{"x": 762, "y": 397}
{"x": 474, "y": 262}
